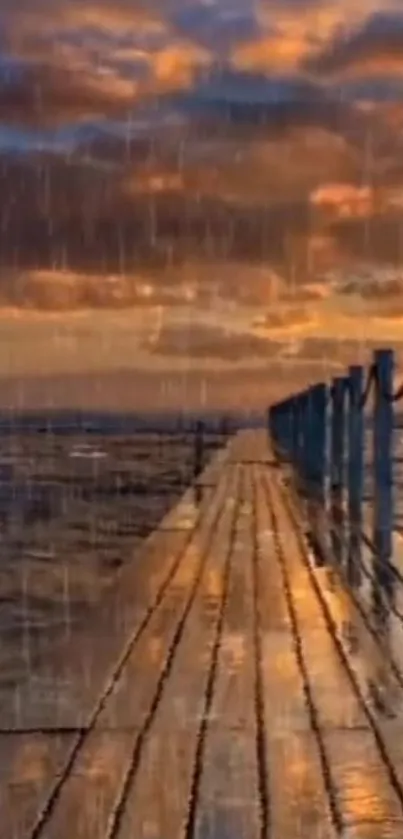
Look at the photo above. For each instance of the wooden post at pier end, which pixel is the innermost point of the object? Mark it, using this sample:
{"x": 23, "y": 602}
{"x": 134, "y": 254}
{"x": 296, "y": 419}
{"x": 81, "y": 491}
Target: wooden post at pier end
{"x": 383, "y": 464}
{"x": 198, "y": 448}
{"x": 337, "y": 465}
{"x": 355, "y": 471}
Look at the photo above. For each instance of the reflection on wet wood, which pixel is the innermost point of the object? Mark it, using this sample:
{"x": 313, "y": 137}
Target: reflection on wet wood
{"x": 364, "y": 771}
{"x": 299, "y": 803}
{"x": 228, "y": 796}
{"x": 61, "y": 687}
{"x": 29, "y": 765}
{"x": 155, "y": 807}
{"x": 90, "y": 790}
{"x": 147, "y": 658}
{"x": 368, "y": 801}
{"x": 332, "y": 694}
{"x": 228, "y": 688}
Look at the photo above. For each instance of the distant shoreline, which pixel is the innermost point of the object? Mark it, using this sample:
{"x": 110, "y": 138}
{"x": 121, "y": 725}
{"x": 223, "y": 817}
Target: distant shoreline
{"x": 114, "y": 422}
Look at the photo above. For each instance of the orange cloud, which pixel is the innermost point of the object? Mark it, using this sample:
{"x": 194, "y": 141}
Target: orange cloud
{"x": 370, "y": 46}
{"x": 175, "y": 66}
{"x": 78, "y": 61}
{"x": 346, "y": 200}
{"x": 301, "y": 30}
{"x": 280, "y": 52}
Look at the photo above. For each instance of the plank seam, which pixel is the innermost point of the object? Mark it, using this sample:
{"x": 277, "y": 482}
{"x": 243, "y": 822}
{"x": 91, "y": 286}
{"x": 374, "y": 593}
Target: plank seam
{"x": 333, "y": 632}
{"x": 297, "y": 643}
{"x": 118, "y": 812}
{"x": 261, "y": 747}
{"x": 130, "y": 645}
{"x": 198, "y": 769}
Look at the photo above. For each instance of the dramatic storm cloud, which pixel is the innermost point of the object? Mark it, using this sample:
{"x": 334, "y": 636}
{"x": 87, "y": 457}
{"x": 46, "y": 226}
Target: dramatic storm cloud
{"x": 232, "y": 165}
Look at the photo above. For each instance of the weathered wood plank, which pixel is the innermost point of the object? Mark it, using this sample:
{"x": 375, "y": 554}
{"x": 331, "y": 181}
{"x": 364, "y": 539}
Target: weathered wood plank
{"x": 132, "y": 698}
{"x": 298, "y": 804}
{"x": 360, "y": 770}
{"x": 228, "y": 796}
{"x": 62, "y": 686}
{"x": 368, "y": 802}
{"x": 250, "y": 446}
{"x": 236, "y": 643}
{"x": 298, "y": 800}
{"x": 90, "y": 790}
{"x": 128, "y": 708}
{"x": 335, "y": 701}
{"x": 29, "y": 764}
{"x": 156, "y": 797}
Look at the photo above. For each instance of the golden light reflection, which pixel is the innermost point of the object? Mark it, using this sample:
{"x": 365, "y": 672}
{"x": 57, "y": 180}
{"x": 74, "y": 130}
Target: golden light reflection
{"x": 99, "y": 761}
{"x": 186, "y": 571}
{"x": 154, "y": 649}
{"x": 234, "y": 648}
{"x": 299, "y": 773}
{"x": 32, "y": 761}
{"x": 214, "y": 583}
{"x": 362, "y": 784}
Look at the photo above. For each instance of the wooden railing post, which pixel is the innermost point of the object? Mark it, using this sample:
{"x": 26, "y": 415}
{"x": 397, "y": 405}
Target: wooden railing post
{"x": 382, "y": 464}
{"x": 303, "y": 449}
{"x": 318, "y": 436}
{"x": 291, "y": 428}
{"x": 309, "y": 454}
{"x": 316, "y": 470}
{"x": 295, "y": 428}
{"x": 198, "y": 449}
{"x": 283, "y": 427}
{"x": 337, "y": 463}
{"x": 355, "y": 471}
{"x": 272, "y": 424}
{"x": 300, "y": 430}
{"x": 288, "y": 428}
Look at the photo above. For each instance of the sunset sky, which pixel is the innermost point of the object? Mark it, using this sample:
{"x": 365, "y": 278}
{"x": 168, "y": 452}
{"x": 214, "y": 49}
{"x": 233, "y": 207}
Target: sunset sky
{"x": 201, "y": 202}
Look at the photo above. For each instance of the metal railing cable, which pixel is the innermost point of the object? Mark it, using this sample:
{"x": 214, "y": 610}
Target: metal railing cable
{"x": 389, "y": 397}
{"x": 370, "y": 383}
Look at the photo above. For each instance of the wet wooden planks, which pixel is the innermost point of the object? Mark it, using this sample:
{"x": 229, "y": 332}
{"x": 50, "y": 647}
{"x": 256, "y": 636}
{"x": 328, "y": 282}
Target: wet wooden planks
{"x": 363, "y": 772}
{"x": 158, "y": 591}
{"x": 238, "y": 696}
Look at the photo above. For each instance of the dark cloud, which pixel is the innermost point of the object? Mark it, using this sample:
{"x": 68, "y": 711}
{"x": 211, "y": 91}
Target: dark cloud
{"x": 391, "y": 311}
{"x": 373, "y": 288}
{"x": 378, "y": 238}
{"x": 372, "y": 88}
{"x": 302, "y": 295}
{"x": 342, "y": 353}
{"x": 61, "y": 290}
{"x": 379, "y": 38}
{"x": 204, "y": 342}
{"x": 42, "y": 95}
{"x": 284, "y": 316}
{"x": 258, "y": 100}
{"x": 216, "y": 26}
{"x": 236, "y": 160}
{"x": 57, "y": 213}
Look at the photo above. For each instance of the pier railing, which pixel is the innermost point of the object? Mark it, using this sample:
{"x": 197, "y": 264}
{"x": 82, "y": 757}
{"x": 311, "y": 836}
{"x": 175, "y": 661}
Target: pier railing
{"x": 321, "y": 433}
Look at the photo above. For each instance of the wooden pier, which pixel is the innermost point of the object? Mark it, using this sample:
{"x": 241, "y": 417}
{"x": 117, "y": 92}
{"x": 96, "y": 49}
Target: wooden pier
{"x": 228, "y": 688}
